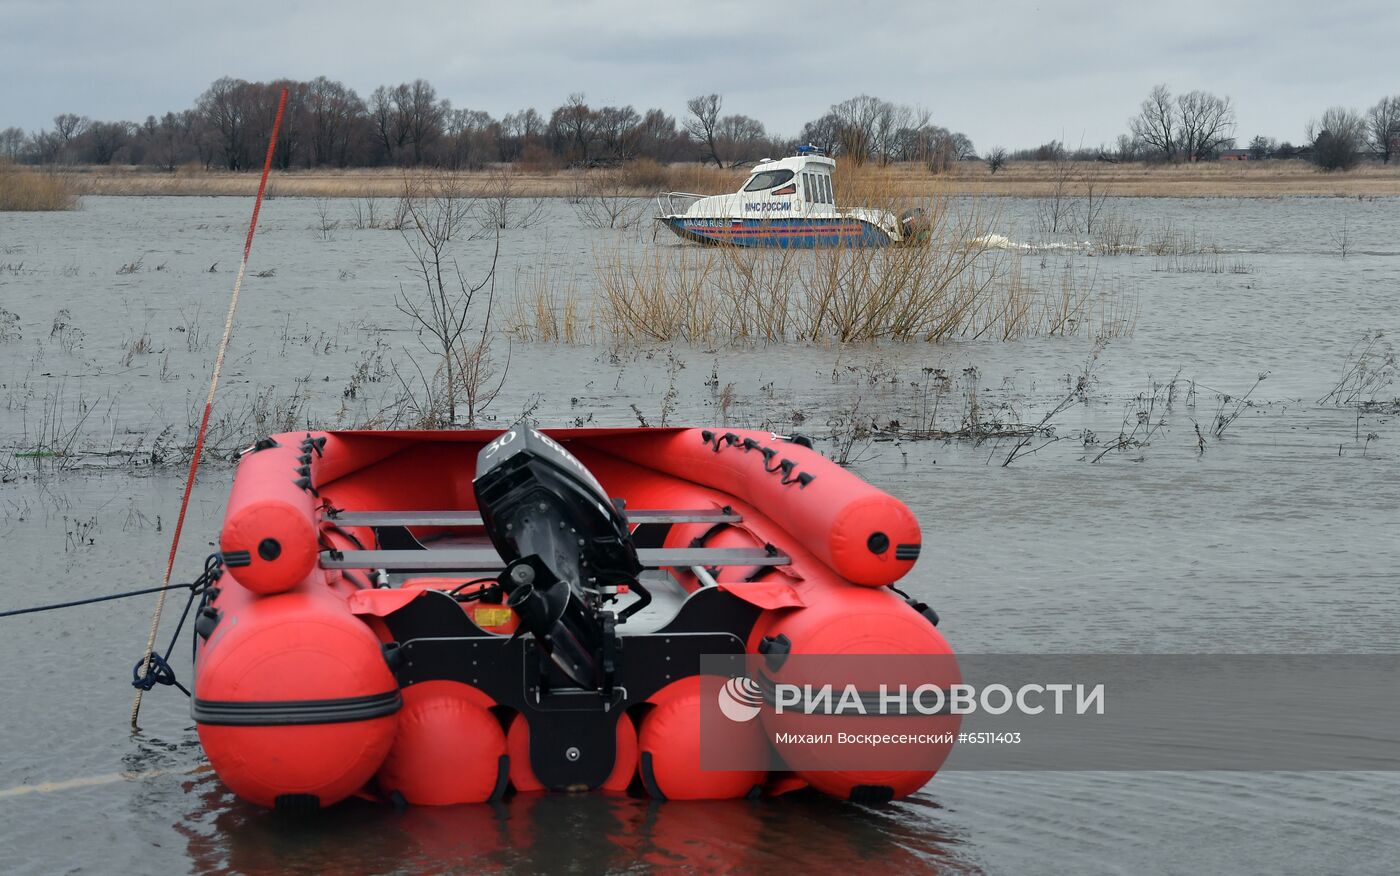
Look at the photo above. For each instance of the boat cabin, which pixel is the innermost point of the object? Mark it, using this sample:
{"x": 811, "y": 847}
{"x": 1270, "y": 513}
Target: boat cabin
{"x": 787, "y": 202}
{"x": 791, "y": 184}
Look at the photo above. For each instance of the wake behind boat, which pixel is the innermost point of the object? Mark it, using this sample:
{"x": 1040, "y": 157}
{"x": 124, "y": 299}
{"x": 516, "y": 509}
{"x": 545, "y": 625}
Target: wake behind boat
{"x": 785, "y": 203}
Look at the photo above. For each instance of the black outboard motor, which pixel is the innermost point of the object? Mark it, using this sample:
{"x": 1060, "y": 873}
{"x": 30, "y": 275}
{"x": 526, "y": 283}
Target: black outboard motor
{"x": 567, "y": 546}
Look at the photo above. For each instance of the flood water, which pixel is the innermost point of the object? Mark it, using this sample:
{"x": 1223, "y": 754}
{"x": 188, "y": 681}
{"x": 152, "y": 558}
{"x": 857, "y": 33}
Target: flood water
{"x": 1280, "y": 535}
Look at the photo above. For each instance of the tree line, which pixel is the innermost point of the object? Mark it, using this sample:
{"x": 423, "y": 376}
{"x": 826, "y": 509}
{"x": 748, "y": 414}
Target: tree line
{"x": 1199, "y": 125}
{"x": 328, "y": 124}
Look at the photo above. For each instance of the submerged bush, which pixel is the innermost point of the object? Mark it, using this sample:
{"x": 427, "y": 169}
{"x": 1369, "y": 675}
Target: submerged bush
{"x": 719, "y": 295}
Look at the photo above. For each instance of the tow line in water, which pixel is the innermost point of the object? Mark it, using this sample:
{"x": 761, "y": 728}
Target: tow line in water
{"x": 96, "y": 781}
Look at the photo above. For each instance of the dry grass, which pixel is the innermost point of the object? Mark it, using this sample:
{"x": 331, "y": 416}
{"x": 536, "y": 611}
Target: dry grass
{"x": 640, "y": 178}
{"x": 1264, "y": 179}
{"x": 701, "y": 179}
{"x": 548, "y": 309}
{"x": 1038, "y": 179}
{"x": 32, "y": 190}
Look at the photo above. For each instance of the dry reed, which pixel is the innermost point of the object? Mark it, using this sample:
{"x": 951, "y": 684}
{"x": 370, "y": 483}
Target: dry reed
{"x": 24, "y": 190}
{"x": 547, "y": 310}
{"x": 728, "y": 295}
{"x": 950, "y": 283}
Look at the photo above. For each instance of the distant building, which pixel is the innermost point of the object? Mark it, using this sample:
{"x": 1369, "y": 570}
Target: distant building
{"x": 1234, "y": 155}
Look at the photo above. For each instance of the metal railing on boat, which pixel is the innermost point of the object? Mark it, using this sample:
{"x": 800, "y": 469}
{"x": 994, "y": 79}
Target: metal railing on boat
{"x": 485, "y": 559}
{"x": 675, "y": 203}
{"x": 473, "y": 518}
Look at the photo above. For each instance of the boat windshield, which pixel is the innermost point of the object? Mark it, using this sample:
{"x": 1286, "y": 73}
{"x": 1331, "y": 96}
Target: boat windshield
{"x": 768, "y": 179}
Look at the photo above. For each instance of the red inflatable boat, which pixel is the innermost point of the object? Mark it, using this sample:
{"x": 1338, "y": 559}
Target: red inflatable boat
{"x": 440, "y": 617}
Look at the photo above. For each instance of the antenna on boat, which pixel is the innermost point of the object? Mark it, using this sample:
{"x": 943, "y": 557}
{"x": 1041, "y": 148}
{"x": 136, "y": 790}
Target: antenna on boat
{"x": 208, "y": 407}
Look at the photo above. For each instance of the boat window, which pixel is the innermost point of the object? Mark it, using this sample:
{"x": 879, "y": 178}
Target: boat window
{"x": 769, "y": 179}
{"x": 826, "y": 185}
{"x": 807, "y": 192}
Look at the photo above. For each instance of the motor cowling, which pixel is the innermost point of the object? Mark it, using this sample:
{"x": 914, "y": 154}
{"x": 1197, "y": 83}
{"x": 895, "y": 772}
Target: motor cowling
{"x": 568, "y": 547}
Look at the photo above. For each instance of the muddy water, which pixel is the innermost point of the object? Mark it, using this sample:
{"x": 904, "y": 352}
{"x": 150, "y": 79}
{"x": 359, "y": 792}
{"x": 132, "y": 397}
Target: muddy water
{"x": 1282, "y": 535}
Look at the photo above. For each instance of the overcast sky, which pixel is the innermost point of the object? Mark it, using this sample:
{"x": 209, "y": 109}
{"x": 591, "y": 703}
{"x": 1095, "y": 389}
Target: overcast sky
{"x": 1009, "y": 73}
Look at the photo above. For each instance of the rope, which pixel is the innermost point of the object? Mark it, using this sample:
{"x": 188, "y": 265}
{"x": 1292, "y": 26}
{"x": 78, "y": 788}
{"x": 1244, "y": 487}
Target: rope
{"x": 208, "y": 406}
{"x": 153, "y": 668}
{"x": 57, "y": 605}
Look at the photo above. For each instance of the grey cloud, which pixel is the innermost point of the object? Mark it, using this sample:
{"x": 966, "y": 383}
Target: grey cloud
{"x": 1014, "y": 73}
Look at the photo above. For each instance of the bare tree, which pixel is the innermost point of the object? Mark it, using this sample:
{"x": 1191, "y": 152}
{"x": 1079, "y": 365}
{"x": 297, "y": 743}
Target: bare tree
{"x": 11, "y": 142}
{"x": 1337, "y": 138}
{"x": 69, "y": 127}
{"x": 1128, "y": 148}
{"x": 333, "y": 111}
{"x": 390, "y": 125}
{"x": 225, "y": 109}
{"x": 1383, "y": 127}
{"x": 618, "y": 130}
{"x": 1055, "y": 212}
{"x": 499, "y": 205}
{"x": 603, "y": 199}
{"x": 857, "y": 123}
{"x": 1189, "y": 127}
{"x": 1204, "y": 123}
{"x": 658, "y": 137}
{"x": 517, "y": 129}
{"x": 105, "y": 139}
{"x": 822, "y": 133}
{"x": 892, "y": 120}
{"x": 575, "y": 126}
{"x": 471, "y": 138}
{"x": 739, "y": 137}
{"x": 1262, "y": 147}
{"x": 1095, "y": 190}
{"x": 43, "y": 147}
{"x": 940, "y": 148}
{"x": 996, "y": 157}
{"x": 423, "y": 114}
{"x": 437, "y": 213}
{"x": 703, "y": 124}
{"x": 291, "y": 142}
{"x": 1155, "y": 124}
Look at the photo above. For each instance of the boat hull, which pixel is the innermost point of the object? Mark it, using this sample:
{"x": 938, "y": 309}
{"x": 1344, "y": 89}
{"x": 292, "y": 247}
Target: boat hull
{"x": 794, "y": 233}
{"x": 353, "y": 671}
